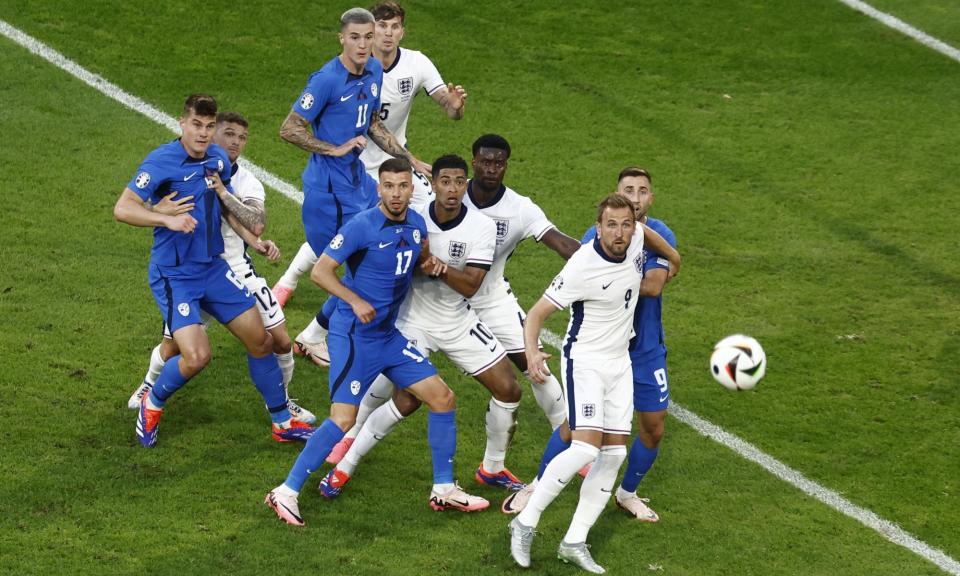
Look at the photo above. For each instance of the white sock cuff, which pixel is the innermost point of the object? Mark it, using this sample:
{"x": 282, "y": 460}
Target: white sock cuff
{"x": 508, "y": 406}
{"x": 585, "y": 448}
{"x": 155, "y": 356}
{"x": 394, "y": 410}
{"x": 614, "y": 450}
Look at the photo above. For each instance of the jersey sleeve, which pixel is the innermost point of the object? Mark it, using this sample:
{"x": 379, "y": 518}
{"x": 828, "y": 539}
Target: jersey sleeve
{"x": 314, "y": 97}
{"x": 482, "y": 255}
{"x": 252, "y": 189}
{"x": 147, "y": 180}
{"x": 589, "y": 235}
{"x": 351, "y": 238}
{"x": 567, "y": 287}
{"x": 535, "y": 222}
{"x": 430, "y": 78}
{"x": 654, "y": 261}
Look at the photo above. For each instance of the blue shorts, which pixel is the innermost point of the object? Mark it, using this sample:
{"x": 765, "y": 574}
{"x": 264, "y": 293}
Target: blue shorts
{"x": 180, "y": 292}
{"x": 651, "y": 393}
{"x": 356, "y": 361}
{"x": 324, "y": 213}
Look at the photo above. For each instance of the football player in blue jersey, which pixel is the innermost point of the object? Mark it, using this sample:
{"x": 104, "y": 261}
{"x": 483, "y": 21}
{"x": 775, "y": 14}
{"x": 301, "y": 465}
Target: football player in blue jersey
{"x": 381, "y": 247}
{"x": 186, "y": 272}
{"x": 336, "y": 112}
{"x": 648, "y": 357}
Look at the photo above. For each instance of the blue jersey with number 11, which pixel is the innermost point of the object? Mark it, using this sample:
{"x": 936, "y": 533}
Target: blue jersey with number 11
{"x": 380, "y": 256}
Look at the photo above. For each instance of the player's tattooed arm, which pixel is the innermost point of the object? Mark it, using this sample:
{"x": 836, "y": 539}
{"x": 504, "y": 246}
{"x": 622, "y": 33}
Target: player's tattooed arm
{"x": 250, "y": 214}
{"x": 296, "y": 130}
{"x": 560, "y": 243}
{"x": 452, "y": 99}
{"x": 383, "y": 138}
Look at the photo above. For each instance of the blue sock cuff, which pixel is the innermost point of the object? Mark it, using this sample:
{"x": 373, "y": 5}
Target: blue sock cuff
{"x": 313, "y": 454}
{"x": 441, "y": 417}
{"x": 639, "y": 462}
{"x": 169, "y": 381}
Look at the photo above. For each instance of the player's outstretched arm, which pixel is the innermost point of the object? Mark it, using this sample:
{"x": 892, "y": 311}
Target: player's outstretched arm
{"x": 324, "y": 273}
{"x": 466, "y": 281}
{"x": 129, "y": 209}
{"x": 560, "y": 243}
{"x": 537, "y": 367}
{"x": 656, "y": 242}
{"x": 385, "y": 139}
{"x": 452, "y": 99}
{"x": 251, "y": 214}
{"x": 296, "y": 130}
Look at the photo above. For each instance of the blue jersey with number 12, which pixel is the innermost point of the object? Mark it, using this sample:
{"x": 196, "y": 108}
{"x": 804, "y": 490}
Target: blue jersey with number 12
{"x": 380, "y": 256}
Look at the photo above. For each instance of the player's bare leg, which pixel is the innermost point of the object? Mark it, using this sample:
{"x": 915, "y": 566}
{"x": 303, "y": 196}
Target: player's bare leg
{"x": 378, "y": 393}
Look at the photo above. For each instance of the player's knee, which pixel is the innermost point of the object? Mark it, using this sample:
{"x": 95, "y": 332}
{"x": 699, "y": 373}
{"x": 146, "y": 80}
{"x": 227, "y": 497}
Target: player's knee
{"x": 262, "y": 346}
{"x": 443, "y": 400}
{"x": 651, "y": 435}
{"x": 508, "y": 392}
{"x": 195, "y": 360}
{"x": 344, "y": 421}
{"x": 281, "y": 342}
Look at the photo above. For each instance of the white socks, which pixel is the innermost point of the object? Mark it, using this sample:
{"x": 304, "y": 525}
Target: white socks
{"x": 595, "y": 492}
{"x": 286, "y": 366}
{"x": 501, "y": 422}
{"x": 549, "y": 396}
{"x": 156, "y": 366}
{"x": 302, "y": 264}
{"x": 558, "y": 473}
{"x": 314, "y": 332}
{"x": 379, "y": 392}
{"x": 378, "y": 425}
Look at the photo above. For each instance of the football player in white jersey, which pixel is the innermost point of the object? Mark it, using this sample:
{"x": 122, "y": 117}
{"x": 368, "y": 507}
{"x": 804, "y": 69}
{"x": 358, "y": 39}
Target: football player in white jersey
{"x": 405, "y": 73}
{"x": 436, "y": 317}
{"x": 601, "y": 285}
{"x": 244, "y": 219}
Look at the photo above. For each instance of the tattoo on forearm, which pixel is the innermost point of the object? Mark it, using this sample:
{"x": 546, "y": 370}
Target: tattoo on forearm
{"x": 384, "y": 139}
{"x": 296, "y": 130}
{"x": 249, "y": 215}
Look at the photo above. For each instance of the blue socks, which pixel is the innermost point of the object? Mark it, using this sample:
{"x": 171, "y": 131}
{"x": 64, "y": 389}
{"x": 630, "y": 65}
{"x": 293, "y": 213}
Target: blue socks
{"x": 268, "y": 378}
{"x": 169, "y": 381}
{"x": 638, "y": 464}
{"x": 555, "y": 446}
{"x": 442, "y": 437}
{"x": 314, "y": 453}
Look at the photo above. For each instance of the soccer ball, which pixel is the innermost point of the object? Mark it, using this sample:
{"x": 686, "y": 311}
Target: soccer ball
{"x": 738, "y": 362}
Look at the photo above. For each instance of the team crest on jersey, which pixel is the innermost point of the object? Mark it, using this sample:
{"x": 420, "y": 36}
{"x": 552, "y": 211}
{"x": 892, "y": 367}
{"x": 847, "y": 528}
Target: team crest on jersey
{"x": 219, "y": 165}
{"x": 456, "y": 250}
{"x": 638, "y": 262}
{"x": 503, "y": 226}
{"x": 589, "y": 410}
{"x": 355, "y": 387}
{"x": 306, "y": 101}
{"x": 557, "y": 283}
{"x": 183, "y": 309}
{"x": 416, "y": 236}
{"x": 337, "y": 242}
{"x": 373, "y": 89}
{"x": 405, "y": 86}
{"x": 142, "y": 180}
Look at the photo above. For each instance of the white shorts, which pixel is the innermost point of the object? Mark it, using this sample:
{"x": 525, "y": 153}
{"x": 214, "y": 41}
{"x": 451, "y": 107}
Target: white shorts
{"x": 599, "y": 394}
{"x": 468, "y": 343}
{"x": 504, "y": 317}
{"x": 422, "y": 189}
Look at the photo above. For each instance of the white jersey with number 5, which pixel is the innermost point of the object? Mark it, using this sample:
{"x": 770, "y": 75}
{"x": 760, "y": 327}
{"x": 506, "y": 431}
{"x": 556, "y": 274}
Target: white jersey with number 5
{"x": 468, "y": 239}
{"x": 410, "y": 72}
{"x": 517, "y": 218}
{"x": 602, "y": 295}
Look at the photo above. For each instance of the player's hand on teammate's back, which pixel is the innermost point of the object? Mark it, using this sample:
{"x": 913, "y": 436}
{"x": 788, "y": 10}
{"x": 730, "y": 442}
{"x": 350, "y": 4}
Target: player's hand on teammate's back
{"x": 167, "y": 205}
{"x": 537, "y": 367}
{"x": 181, "y": 223}
{"x": 364, "y": 311}
{"x": 356, "y": 143}
{"x": 267, "y": 248}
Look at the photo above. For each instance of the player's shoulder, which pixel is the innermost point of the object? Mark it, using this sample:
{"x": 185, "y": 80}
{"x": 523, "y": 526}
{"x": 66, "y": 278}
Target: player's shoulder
{"x": 166, "y": 152}
{"x": 416, "y": 219}
{"x": 373, "y": 66}
{"x": 220, "y": 154}
{"x": 661, "y": 228}
{"x": 246, "y": 184}
{"x": 329, "y": 71}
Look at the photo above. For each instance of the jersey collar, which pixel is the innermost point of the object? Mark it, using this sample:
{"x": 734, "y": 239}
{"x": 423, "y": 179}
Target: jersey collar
{"x": 450, "y": 224}
{"x": 496, "y": 198}
{"x": 395, "y": 62}
{"x": 599, "y": 249}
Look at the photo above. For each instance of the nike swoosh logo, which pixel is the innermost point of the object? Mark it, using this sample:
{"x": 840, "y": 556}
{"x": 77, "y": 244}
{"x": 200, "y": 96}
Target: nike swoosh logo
{"x": 663, "y": 398}
{"x": 561, "y": 481}
{"x": 604, "y": 490}
{"x": 272, "y": 315}
{"x": 558, "y": 398}
{"x": 459, "y": 502}
{"x": 185, "y": 178}
{"x": 345, "y": 98}
{"x": 384, "y": 245}
{"x": 607, "y": 286}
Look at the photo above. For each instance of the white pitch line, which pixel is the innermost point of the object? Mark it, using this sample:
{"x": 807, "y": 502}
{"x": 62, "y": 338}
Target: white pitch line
{"x": 887, "y": 529}
{"x": 904, "y": 28}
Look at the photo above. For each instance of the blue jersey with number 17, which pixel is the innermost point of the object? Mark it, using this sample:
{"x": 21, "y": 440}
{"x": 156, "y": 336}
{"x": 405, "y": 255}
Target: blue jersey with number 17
{"x": 380, "y": 256}
{"x": 648, "y": 341}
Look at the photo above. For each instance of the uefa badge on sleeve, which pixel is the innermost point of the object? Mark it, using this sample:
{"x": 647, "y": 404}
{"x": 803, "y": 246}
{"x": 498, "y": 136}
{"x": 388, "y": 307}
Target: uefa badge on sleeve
{"x": 306, "y": 101}
{"x": 142, "y": 180}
